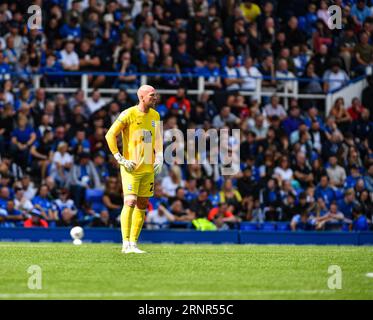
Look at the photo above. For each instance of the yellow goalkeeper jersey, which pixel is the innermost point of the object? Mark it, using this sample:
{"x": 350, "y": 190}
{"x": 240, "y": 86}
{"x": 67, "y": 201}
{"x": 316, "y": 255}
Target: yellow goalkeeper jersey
{"x": 141, "y": 137}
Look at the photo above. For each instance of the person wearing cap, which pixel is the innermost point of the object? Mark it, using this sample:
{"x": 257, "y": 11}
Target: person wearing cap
{"x": 35, "y": 220}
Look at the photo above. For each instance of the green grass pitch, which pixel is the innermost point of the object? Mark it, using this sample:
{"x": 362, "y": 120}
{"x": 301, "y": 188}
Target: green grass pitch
{"x": 100, "y": 271}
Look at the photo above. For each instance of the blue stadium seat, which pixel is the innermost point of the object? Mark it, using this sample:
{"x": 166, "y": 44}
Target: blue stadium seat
{"x": 94, "y": 195}
{"x": 283, "y": 226}
{"x": 268, "y": 226}
{"x": 248, "y": 226}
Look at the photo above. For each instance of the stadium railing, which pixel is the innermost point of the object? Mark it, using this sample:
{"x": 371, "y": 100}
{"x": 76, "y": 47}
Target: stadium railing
{"x": 199, "y": 89}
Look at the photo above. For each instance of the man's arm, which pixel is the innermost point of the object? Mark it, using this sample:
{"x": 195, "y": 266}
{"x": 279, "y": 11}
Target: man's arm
{"x": 158, "y": 147}
{"x": 111, "y": 135}
{"x": 111, "y": 138}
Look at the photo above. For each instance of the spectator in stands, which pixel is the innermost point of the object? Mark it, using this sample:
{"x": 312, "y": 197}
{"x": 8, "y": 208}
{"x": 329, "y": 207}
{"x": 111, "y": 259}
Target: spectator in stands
{"x": 275, "y": 108}
{"x": 334, "y": 78}
{"x": 42, "y": 153}
{"x": 211, "y": 74}
{"x": 36, "y": 220}
{"x": 347, "y": 44}
{"x": 69, "y": 58}
{"x": 180, "y": 102}
{"x": 67, "y": 210}
{"x": 231, "y": 75}
{"x": 83, "y": 175}
{"x": 336, "y": 173}
{"x": 355, "y": 109}
{"x": 313, "y": 82}
{"x": 159, "y": 218}
{"x": 368, "y": 179}
{"x": 14, "y": 217}
{"x": 363, "y": 53}
{"x": 359, "y": 12}
{"x": 224, "y": 117}
{"x": 95, "y": 103}
{"x": 346, "y": 204}
{"x": 367, "y": 96}
{"x": 333, "y": 218}
{"x": 112, "y": 198}
{"x": 44, "y": 203}
{"x": 283, "y": 72}
{"x": 201, "y": 206}
{"x": 267, "y": 69}
{"x": 250, "y": 74}
{"x": 340, "y": 114}
{"x": 23, "y": 137}
{"x": 172, "y": 181}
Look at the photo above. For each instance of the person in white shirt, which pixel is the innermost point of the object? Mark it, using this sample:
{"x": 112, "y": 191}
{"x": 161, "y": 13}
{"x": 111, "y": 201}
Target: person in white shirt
{"x": 334, "y": 78}
{"x": 69, "y": 58}
{"x": 159, "y": 218}
{"x": 275, "y": 109}
{"x": 232, "y": 78}
{"x": 61, "y": 163}
{"x": 21, "y": 203}
{"x": 172, "y": 181}
{"x": 283, "y": 72}
{"x": 283, "y": 172}
{"x": 249, "y": 74}
{"x": 95, "y": 102}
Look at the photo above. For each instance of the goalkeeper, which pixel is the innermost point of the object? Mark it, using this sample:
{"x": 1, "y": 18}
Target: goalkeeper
{"x": 141, "y": 159}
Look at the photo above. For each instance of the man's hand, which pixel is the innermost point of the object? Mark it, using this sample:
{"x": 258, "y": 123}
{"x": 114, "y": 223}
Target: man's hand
{"x": 158, "y": 163}
{"x": 128, "y": 165}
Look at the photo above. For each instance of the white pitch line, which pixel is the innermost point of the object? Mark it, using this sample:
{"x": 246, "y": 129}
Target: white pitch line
{"x": 172, "y": 294}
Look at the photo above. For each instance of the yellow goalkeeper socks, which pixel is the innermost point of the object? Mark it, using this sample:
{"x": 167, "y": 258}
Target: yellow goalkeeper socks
{"x": 138, "y": 218}
{"x": 126, "y": 221}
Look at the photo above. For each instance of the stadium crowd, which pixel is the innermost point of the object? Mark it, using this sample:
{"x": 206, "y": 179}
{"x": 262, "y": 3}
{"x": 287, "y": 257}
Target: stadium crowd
{"x": 299, "y": 165}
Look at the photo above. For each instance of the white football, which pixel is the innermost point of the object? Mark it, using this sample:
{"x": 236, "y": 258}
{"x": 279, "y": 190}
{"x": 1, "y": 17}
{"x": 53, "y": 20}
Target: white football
{"x": 77, "y": 233}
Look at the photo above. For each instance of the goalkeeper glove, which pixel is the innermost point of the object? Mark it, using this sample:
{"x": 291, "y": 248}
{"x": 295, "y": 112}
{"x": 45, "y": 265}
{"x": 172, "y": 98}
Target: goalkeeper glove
{"x": 158, "y": 163}
{"x": 128, "y": 165}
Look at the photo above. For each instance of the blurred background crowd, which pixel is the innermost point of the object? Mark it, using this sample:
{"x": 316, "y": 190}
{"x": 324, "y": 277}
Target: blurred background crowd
{"x": 300, "y": 166}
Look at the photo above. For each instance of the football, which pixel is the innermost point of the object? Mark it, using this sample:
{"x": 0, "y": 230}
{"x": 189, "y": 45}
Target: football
{"x": 77, "y": 233}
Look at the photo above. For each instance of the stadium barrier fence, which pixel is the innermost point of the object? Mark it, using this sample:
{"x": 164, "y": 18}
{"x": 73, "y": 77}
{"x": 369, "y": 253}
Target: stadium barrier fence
{"x": 103, "y": 235}
{"x": 258, "y": 93}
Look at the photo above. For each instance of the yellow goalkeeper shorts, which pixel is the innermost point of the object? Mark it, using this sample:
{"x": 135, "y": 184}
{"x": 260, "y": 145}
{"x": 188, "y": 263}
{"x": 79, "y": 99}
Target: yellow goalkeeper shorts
{"x": 140, "y": 184}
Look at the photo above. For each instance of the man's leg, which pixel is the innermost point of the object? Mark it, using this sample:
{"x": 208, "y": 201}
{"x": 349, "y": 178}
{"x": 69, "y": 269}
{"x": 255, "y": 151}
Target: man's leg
{"x": 126, "y": 218}
{"x": 138, "y": 218}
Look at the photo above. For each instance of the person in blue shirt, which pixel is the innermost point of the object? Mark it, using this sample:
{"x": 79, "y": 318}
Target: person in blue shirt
{"x": 44, "y": 204}
{"x": 353, "y": 177}
{"x": 211, "y": 73}
{"x": 52, "y": 65}
{"x": 4, "y": 197}
{"x": 158, "y": 197}
{"x": 360, "y": 12}
{"x": 128, "y": 78}
{"x": 346, "y": 204}
{"x": 324, "y": 191}
{"x": 71, "y": 30}
{"x": 79, "y": 143}
{"x": 4, "y": 69}
{"x": 14, "y": 217}
{"x": 23, "y": 137}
